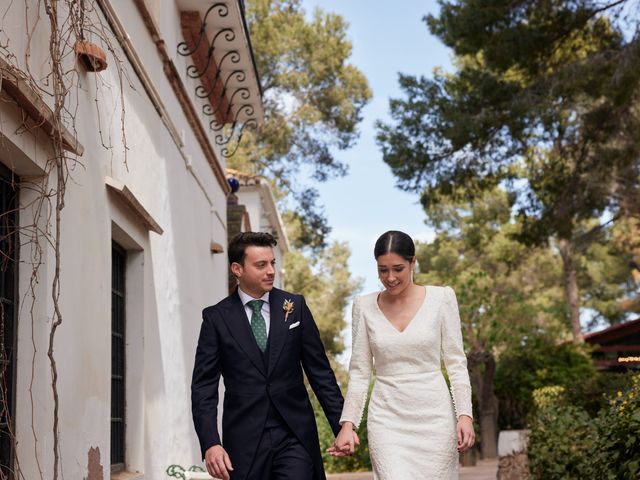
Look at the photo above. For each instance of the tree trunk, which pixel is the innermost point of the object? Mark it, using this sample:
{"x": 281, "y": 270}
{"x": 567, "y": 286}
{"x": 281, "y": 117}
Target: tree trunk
{"x": 571, "y": 288}
{"x": 482, "y": 367}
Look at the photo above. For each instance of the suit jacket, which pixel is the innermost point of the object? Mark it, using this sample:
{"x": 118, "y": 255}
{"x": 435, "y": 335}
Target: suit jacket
{"x": 227, "y": 347}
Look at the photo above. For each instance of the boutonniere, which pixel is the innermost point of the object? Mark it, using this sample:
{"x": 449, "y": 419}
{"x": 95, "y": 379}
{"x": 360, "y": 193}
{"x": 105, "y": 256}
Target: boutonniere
{"x": 287, "y": 306}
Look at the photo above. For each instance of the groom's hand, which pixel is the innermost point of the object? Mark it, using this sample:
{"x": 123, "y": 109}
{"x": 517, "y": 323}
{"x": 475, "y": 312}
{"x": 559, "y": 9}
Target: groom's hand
{"x": 218, "y": 462}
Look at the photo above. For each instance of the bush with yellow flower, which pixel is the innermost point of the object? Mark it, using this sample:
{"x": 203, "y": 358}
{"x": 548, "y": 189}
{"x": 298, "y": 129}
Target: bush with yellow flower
{"x": 568, "y": 443}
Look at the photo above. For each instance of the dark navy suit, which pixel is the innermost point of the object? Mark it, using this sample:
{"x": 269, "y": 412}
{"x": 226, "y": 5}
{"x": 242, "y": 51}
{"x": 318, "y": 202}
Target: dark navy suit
{"x": 262, "y": 390}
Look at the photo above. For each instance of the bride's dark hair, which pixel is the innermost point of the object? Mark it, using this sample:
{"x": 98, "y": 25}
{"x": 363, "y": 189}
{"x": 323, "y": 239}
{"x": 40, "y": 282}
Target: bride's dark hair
{"x": 396, "y": 242}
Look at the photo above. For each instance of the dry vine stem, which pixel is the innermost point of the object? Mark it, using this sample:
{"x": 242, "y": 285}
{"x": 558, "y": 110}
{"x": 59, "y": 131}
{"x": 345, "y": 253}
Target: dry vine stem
{"x": 59, "y": 95}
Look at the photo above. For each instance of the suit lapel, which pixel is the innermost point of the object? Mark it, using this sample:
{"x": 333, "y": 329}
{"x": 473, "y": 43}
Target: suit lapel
{"x": 239, "y": 327}
{"x": 277, "y": 329}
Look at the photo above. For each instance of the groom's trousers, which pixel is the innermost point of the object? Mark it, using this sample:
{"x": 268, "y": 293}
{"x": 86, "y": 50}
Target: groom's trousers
{"x": 280, "y": 456}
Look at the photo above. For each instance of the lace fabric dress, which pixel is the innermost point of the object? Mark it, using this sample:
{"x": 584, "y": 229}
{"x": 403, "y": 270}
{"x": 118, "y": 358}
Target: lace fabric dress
{"x": 412, "y": 418}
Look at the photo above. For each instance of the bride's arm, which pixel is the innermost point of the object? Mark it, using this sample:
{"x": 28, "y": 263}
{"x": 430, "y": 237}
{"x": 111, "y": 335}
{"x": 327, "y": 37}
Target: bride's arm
{"x": 453, "y": 355}
{"x": 359, "y": 376}
{"x": 359, "y": 369}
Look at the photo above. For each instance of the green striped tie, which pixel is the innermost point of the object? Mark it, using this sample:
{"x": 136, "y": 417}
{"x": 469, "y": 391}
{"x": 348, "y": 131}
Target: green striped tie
{"x": 258, "y": 325}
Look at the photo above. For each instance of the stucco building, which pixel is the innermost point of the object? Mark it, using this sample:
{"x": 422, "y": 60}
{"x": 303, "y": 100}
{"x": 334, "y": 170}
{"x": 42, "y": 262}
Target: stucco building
{"x": 143, "y": 232}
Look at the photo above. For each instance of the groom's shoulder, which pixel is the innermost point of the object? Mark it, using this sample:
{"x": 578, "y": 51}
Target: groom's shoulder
{"x": 277, "y": 292}
{"x": 221, "y": 306}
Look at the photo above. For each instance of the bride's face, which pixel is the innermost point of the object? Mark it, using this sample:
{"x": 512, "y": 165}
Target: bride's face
{"x": 395, "y": 272}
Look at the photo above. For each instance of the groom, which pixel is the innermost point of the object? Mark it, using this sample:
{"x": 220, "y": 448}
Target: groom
{"x": 260, "y": 339}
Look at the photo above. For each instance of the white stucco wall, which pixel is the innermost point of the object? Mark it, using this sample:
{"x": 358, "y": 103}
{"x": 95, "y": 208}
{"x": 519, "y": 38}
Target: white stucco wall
{"x": 170, "y": 277}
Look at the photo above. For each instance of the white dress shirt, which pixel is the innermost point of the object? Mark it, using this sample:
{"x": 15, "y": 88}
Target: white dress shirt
{"x": 246, "y": 298}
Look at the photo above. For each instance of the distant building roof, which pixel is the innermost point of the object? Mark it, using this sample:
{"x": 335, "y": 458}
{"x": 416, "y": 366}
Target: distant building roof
{"x": 245, "y": 178}
{"x": 614, "y": 333}
{"x": 617, "y": 347}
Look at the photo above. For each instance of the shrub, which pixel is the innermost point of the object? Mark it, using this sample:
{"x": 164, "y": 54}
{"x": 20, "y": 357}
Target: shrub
{"x": 538, "y": 364}
{"x": 594, "y": 393}
{"x": 567, "y": 443}
{"x": 619, "y": 435}
{"x": 562, "y": 436}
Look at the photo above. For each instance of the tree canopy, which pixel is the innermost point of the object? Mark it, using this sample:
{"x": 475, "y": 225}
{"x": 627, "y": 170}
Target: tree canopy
{"x": 313, "y": 100}
{"x": 507, "y": 292}
{"x": 544, "y": 101}
{"x": 327, "y": 286}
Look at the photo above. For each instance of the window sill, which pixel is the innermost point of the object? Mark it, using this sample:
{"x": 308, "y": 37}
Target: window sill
{"x": 127, "y": 476}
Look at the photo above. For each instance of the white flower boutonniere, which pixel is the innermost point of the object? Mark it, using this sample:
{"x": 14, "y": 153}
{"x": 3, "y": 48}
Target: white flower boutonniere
{"x": 287, "y": 306}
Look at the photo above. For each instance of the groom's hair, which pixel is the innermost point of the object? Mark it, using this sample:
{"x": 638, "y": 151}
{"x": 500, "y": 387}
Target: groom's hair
{"x": 242, "y": 240}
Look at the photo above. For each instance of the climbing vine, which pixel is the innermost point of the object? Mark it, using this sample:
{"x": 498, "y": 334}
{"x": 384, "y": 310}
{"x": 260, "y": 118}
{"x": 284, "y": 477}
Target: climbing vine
{"x": 39, "y": 233}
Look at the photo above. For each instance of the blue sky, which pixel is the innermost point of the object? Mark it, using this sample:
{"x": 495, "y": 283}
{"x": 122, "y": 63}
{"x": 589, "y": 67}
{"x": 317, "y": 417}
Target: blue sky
{"x": 387, "y": 38}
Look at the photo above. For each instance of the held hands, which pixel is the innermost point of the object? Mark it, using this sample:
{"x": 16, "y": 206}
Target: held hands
{"x": 218, "y": 462}
{"x": 345, "y": 443}
{"x": 466, "y": 435}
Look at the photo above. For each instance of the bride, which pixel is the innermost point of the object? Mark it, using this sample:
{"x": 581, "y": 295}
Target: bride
{"x": 416, "y": 427}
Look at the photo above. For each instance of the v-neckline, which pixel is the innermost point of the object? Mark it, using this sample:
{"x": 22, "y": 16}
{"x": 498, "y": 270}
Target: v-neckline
{"x": 386, "y": 319}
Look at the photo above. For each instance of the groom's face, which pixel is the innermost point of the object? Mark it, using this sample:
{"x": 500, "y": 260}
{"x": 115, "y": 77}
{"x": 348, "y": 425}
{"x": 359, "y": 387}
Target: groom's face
{"x": 257, "y": 272}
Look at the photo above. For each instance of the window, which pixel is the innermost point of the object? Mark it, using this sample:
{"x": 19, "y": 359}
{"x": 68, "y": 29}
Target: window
{"x": 8, "y": 284}
{"x": 118, "y": 358}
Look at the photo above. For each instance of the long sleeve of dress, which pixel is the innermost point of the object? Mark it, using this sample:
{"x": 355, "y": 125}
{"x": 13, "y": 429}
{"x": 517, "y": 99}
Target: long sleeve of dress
{"x": 453, "y": 355}
{"x": 360, "y": 368}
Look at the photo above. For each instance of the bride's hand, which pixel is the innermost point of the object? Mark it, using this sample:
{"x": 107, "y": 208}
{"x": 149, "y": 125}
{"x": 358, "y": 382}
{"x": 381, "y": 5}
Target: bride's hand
{"x": 345, "y": 443}
{"x": 466, "y": 435}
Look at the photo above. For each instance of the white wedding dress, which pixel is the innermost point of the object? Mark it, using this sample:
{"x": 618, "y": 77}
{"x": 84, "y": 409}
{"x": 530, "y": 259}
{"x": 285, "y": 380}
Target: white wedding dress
{"x": 412, "y": 418}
